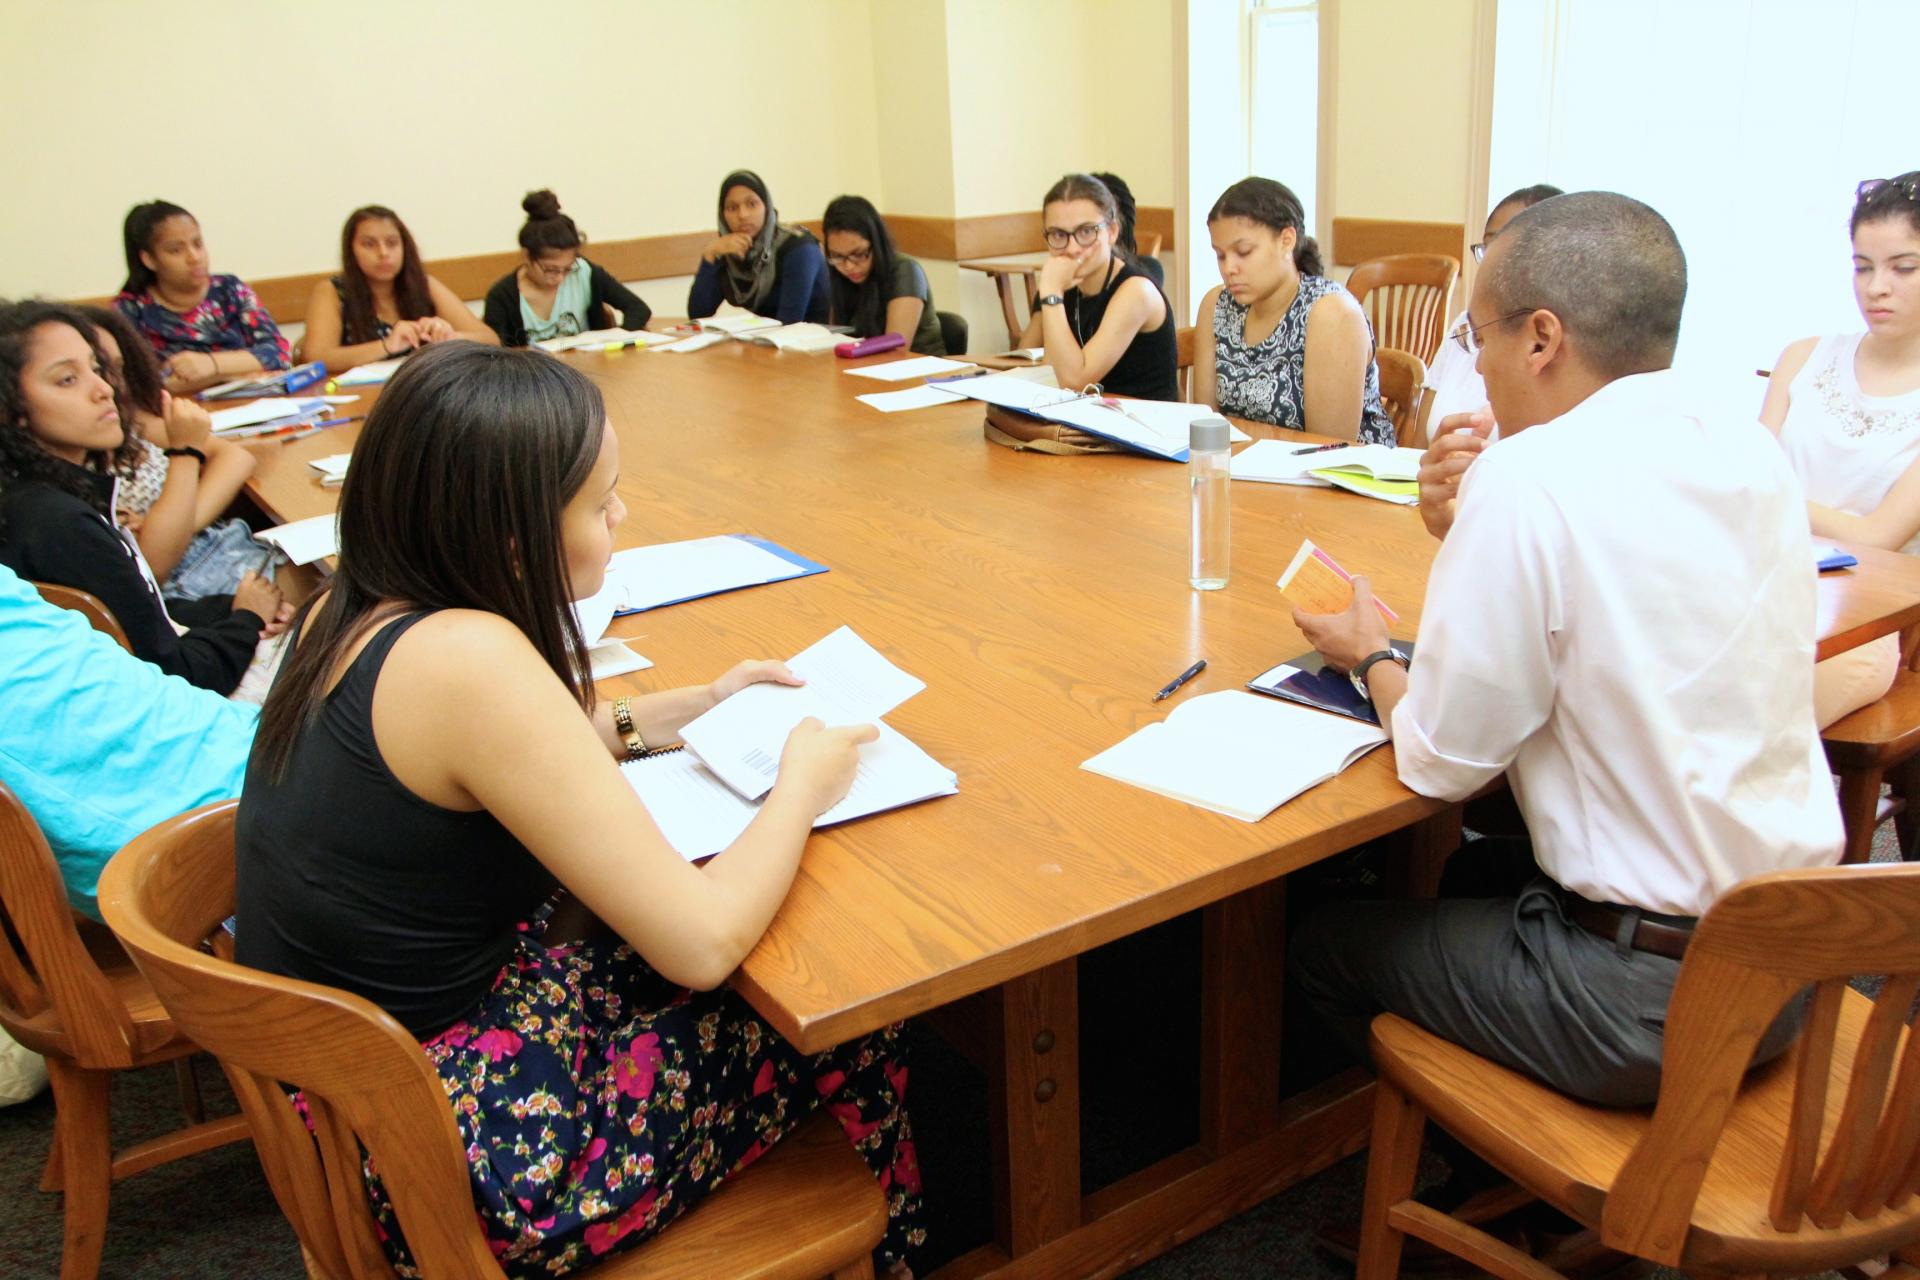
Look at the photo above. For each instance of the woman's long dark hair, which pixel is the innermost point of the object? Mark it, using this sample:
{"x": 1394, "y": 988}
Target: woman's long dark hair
{"x": 863, "y": 305}
{"x": 139, "y": 383}
{"x": 1129, "y": 212}
{"x": 454, "y": 501}
{"x": 22, "y": 459}
{"x": 411, "y": 297}
{"x": 136, "y": 237}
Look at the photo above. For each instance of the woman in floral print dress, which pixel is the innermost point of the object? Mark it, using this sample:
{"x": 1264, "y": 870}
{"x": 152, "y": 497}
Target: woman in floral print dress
{"x": 432, "y": 764}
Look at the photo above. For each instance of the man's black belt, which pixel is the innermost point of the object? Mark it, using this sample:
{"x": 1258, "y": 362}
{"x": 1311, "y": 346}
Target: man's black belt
{"x": 1663, "y": 936}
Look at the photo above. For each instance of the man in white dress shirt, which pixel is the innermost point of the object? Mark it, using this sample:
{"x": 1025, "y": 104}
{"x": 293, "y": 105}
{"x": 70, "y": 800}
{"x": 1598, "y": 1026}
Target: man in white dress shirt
{"x": 1621, "y": 620}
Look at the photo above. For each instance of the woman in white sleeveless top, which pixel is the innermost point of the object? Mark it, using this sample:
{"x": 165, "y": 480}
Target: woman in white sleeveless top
{"x": 1847, "y": 411}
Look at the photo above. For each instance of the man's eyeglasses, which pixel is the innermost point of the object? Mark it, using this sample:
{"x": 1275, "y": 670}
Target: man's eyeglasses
{"x": 854, "y": 259}
{"x": 1907, "y": 183}
{"x": 1083, "y": 235}
{"x": 1468, "y": 338}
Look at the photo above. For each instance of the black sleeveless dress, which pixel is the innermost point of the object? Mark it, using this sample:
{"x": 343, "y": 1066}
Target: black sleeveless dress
{"x": 1147, "y": 368}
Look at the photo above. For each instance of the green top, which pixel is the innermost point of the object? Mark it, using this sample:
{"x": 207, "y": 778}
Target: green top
{"x": 570, "y": 304}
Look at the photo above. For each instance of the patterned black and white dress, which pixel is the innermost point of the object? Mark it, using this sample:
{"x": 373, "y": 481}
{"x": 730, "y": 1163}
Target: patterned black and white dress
{"x": 1268, "y": 382}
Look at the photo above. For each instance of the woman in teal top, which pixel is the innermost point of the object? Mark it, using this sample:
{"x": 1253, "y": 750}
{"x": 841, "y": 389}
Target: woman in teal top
{"x": 556, "y": 292}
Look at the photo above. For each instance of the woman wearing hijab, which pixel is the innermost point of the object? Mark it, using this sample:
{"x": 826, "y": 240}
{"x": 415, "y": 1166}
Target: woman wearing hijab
{"x": 757, "y": 262}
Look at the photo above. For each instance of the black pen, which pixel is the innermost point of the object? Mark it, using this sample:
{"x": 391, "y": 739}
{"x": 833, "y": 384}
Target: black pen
{"x": 1319, "y": 448}
{"x": 1181, "y": 679}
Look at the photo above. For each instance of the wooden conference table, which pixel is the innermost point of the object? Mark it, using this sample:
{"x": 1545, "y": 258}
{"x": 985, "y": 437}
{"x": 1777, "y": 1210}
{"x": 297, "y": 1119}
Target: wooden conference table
{"x": 1043, "y": 600}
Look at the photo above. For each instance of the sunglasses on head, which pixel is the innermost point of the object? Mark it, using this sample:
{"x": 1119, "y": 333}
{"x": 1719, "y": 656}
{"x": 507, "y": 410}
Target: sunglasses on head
{"x": 1908, "y": 184}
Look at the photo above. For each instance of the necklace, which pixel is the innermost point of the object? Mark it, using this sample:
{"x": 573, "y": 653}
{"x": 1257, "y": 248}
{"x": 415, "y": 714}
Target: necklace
{"x": 1078, "y": 296}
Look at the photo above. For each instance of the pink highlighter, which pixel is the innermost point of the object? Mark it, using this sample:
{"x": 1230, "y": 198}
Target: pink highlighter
{"x": 869, "y": 346}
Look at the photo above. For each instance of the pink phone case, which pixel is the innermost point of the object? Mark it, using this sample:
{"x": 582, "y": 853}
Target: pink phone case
{"x": 869, "y": 346}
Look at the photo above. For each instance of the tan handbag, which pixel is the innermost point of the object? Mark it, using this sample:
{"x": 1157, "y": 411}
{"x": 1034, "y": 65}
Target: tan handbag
{"x": 1015, "y": 430}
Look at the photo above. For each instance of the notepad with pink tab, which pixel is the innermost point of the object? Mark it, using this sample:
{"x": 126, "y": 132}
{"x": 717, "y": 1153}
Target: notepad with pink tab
{"x": 1315, "y": 583}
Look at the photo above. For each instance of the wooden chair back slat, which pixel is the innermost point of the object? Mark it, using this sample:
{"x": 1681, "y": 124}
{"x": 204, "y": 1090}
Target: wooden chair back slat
{"x": 1407, "y": 297}
{"x": 1896, "y": 1143}
{"x": 1403, "y": 388}
{"x": 1766, "y": 940}
{"x": 366, "y": 1081}
{"x": 1794, "y": 1178}
{"x": 88, "y": 606}
{"x": 56, "y": 970}
{"x": 1839, "y": 1178}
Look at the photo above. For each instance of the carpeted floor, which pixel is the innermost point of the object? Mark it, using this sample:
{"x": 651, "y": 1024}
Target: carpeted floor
{"x": 213, "y": 1216}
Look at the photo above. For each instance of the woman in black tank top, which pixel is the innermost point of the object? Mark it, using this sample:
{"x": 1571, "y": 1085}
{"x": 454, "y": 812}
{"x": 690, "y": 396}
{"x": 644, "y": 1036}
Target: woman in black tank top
{"x": 432, "y": 761}
{"x": 1100, "y": 318}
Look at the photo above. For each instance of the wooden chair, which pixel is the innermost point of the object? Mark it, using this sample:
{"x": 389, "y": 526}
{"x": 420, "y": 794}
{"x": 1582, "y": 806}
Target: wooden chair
{"x": 77, "y": 999}
{"x": 808, "y": 1208}
{"x": 1183, "y": 360}
{"x": 88, "y": 606}
{"x": 1877, "y": 744}
{"x": 1407, "y": 298}
{"x": 1724, "y": 1176}
{"x": 1403, "y": 393}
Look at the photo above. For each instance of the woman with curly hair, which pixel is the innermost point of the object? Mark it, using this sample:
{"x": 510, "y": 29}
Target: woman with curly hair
{"x": 61, "y": 445}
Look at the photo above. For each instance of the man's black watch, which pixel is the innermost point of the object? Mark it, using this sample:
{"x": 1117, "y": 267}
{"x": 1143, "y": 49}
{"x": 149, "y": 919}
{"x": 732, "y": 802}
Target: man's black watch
{"x": 1359, "y": 673}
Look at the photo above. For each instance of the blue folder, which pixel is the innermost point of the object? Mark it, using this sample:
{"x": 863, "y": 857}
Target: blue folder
{"x": 802, "y": 568}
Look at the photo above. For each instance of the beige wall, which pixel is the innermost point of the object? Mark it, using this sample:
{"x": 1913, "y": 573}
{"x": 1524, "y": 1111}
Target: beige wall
{"x": 278, "y": 124}
{"x": 1403, "y": 115}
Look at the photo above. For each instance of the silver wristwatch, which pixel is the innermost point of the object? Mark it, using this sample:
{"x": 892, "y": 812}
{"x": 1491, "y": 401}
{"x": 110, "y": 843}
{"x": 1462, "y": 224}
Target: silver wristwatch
{"x": 1359, "y": 673}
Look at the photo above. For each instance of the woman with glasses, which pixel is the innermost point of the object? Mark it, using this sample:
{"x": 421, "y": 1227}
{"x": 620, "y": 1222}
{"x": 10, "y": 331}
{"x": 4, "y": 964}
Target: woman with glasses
{"x": 1101, "y": 319}
{"x": 1847, "y": 410}
{"x": 757, "y": 262}
{"x": 1274, "y": 307}
{"x": 875, "y": 290}
{"x": 383, "y": 303}
{"x": 1452, "y": 382}
{"x": 556, "y": 292}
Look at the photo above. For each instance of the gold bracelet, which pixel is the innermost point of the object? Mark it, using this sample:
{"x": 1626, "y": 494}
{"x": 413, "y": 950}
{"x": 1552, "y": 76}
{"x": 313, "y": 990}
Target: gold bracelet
{"x": 623, "y": 725}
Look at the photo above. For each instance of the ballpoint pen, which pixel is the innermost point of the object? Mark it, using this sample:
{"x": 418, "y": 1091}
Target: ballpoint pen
{"x": 1175, "y": 683}
{"x": 1321, "y": 448}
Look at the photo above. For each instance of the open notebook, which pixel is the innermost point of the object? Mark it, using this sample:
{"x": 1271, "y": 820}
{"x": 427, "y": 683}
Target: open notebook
{"x": 1237, "y": 754}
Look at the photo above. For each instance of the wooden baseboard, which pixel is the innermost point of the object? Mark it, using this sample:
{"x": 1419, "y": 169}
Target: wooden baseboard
{"x": 659, "y": 257}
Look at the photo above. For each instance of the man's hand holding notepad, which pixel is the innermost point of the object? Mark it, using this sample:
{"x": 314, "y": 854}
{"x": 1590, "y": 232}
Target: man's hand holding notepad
{"x": 1315, "y": 583}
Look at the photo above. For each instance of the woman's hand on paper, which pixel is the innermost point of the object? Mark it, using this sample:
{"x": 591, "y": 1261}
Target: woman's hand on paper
{"x": 752, "y": 671}
{"x": 1457, "y": 442}
{"x": 1345, "y": 638}
{"x": 820, "y": 763}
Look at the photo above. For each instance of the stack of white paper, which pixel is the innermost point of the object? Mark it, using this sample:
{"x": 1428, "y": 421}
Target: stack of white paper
{"x": 912, "y": 367}
{"x": 700, "y": 815}
{"x": 730, "y": 319}
{"x": 605, "y": 657}
{"x": 305, "y": 541}
{"x": 332, "y": 468}
{"x": 667, "y": 572}
{"x": 924, "y": 396}
{"x": 1237, "y": 754}
{"x": 367, "y": 375}
{"x": 594, "y": 339}
{"x": 704, "y": 797}
{"x": 796, "y": 337}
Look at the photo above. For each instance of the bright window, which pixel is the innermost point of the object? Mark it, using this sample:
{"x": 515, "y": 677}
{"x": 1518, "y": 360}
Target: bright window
{"x": 1284, "y": 106}
{"x": 1747, "y": 123}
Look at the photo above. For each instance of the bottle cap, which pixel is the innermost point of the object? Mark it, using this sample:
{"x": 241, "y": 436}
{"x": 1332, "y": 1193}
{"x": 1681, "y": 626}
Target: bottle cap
{"x": 1209, "y": 434}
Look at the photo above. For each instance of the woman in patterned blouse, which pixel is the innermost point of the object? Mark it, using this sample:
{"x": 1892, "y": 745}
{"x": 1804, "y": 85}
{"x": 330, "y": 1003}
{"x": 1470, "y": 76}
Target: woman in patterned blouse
{"x": 205, "y": 328}
{"x": 1275, "y": 308}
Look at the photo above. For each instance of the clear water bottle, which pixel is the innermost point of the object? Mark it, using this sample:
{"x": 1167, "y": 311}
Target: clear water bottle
{"x": 1210, "y": 523}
